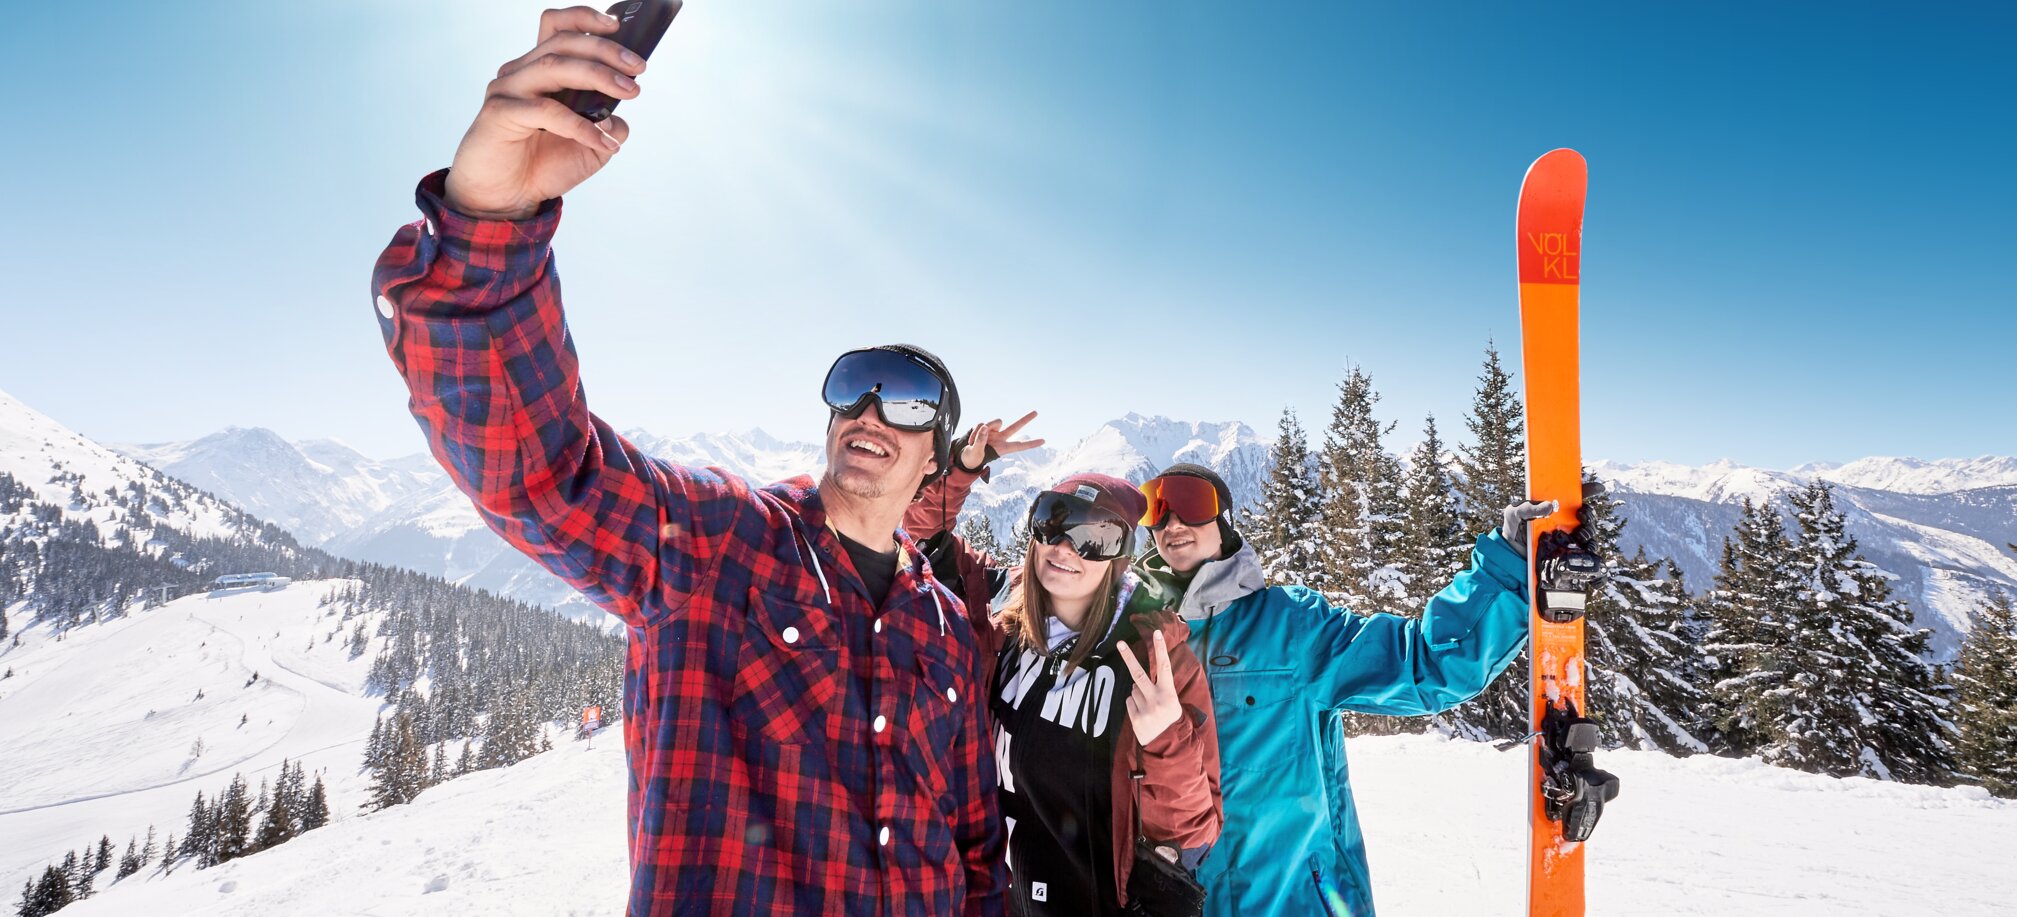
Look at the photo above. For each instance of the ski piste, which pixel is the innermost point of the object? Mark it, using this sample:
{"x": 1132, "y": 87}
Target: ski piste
{"x": 1566, "y": 792}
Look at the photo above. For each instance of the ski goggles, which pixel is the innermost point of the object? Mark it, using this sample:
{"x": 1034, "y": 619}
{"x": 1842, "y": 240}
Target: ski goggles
{"x": 1094, "y": 533}
{"x": 1193, "y": 500}
{"x": 907, "y": 392}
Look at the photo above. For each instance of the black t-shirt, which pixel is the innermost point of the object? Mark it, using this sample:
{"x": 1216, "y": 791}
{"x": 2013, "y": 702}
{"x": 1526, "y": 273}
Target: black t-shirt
{"x": 878, "y": 571}
{"x": 1057, "y": 784}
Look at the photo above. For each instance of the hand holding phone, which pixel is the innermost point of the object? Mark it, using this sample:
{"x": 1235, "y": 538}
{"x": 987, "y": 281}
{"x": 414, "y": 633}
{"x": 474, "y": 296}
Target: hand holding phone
{"x": 641, "y": 23}
{"x": 545, "y": 125}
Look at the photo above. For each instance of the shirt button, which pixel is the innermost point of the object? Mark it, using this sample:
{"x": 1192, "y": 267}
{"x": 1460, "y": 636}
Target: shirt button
{"x": 881, "y": 722}
{"x": 952, "y": 694}
{"x": 878, "y": 625}
{"x": 883, "y": 838}
{"x": 384, "y": 306}
{"x": 791, "y": 635}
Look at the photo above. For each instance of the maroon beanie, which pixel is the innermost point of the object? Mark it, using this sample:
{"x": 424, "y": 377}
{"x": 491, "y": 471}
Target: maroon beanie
{"x": 1115, "y": 495}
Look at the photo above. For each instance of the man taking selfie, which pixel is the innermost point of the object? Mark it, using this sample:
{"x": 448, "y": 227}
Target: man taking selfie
{"x": 799, "y": 706}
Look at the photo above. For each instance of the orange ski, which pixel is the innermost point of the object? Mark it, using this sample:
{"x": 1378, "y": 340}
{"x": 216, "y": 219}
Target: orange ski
{"x": 1566, "y": 792}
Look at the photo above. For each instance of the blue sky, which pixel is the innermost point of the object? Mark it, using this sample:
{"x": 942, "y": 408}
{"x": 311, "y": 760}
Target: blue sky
{"x": 1799, "y": 243}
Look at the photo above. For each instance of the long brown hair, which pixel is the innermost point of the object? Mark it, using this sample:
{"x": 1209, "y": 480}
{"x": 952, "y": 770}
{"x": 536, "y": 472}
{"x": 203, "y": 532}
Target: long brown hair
{"x": 1028, "y": 614}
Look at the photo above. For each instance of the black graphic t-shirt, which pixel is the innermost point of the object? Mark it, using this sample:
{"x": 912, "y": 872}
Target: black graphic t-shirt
{"x": 1054, "y": 748}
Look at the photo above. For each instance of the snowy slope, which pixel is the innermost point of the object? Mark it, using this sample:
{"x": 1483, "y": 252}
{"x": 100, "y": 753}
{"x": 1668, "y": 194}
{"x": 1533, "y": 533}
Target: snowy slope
{"x": 1444, "y": 822}
{"x": 99, "y": 725}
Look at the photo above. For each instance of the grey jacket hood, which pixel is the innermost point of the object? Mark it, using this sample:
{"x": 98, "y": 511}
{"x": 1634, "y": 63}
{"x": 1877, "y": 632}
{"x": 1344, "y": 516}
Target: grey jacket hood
{"x": 1217, "y": 584}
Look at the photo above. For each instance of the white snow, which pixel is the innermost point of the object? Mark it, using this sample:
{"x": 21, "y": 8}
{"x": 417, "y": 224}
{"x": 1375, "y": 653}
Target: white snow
{"x": 96, "y": 728}
{"x": 1445, "y": 823}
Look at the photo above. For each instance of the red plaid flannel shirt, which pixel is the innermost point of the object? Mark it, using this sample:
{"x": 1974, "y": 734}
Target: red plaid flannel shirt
{"x": 793, "y": 748}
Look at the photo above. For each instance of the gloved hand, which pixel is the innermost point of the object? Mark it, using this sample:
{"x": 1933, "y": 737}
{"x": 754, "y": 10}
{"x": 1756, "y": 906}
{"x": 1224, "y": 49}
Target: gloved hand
{"x": 1514, "y": 529}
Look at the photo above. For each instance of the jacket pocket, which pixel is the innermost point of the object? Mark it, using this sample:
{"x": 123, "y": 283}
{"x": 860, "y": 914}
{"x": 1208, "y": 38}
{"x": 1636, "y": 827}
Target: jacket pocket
{"x": 787, "y": 673}
{"x": 1260, "y": 723}
{"x": 941, "y": 699}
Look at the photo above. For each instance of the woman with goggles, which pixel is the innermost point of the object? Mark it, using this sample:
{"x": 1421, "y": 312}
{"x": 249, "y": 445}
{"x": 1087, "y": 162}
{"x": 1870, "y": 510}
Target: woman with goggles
{"x": 1102, "y": 718}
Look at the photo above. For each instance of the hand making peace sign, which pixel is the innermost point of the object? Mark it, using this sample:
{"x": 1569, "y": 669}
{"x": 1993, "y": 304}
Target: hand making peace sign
{"x": 992, "y": 435}
{"x": 1153, "y": 706}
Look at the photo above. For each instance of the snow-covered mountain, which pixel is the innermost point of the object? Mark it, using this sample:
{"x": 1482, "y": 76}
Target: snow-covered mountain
{"x": 1690, "y": 836}
{"x": 1914, "y": 476}
{"x": 91, "y": 483}
{"x": 389, "y": 512}
{"x": 1947, "y": 548}
{"x": 317, "y": 489}
{"x": 1941, "y": 526}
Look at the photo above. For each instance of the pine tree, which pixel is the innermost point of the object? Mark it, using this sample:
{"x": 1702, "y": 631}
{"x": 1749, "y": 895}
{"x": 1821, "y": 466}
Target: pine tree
{"x": 129, "y": 863}
{"x": 234, "y": 821}
{"x": 316, "y": 813}
{"x": 104, "y": 858}
{"x": 81, "y": 877}
{"x": 278, "y": 825}
{"x": 466, "y": 762}
{"x": 52, "y": 893}
{"x": 1744, "y": 661}
{"x": 438, "y": 771}
{"x": 198, "y": 840}
{"x": 1492, "y": 472}
{"x": 1433, "y": 549}
{"x": 147, "y": 849}
{"x": 1641, "y": 689}
{"x": 403, "y": 769}
{"x": 1361, "y": 508}
{"x": 1986, "y": 676}
{"x": 1284, "y": 527}
{"x": 1891, "y": 712}
{"x": 978, "y": 533}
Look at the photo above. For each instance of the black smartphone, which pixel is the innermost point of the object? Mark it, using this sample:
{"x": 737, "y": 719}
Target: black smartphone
{"x": 643, "y": 23}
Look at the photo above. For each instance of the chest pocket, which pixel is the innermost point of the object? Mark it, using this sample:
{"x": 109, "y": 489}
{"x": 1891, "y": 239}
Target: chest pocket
{"x": 787, "y": 677}
{"x": 941, "y": 699}
{"x": 1261, "y": 723}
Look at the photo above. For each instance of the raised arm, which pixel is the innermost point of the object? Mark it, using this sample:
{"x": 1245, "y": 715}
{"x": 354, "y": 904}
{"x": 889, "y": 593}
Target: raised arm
{"x": 469, "y": 307}
{"x": 1400, "y": 666}
{"x": 938, "y": 506}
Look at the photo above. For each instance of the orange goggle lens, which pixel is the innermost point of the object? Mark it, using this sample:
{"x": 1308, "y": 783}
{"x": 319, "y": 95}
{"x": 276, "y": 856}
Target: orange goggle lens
{"x": 1194, "y": 500}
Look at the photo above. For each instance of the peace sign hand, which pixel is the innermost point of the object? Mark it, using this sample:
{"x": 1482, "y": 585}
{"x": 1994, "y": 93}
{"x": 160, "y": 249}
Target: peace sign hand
{"x": 992, "y": 436}
{"x": 1153, "y": 706}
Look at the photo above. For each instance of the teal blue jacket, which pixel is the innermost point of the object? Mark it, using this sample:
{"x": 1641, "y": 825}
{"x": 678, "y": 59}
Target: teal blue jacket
{"x": 1282, "y": 664}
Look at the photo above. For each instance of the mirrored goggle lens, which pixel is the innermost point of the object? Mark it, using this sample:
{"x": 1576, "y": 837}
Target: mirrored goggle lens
{"x": 1093, "y": 533}
{"x": 908, "y": 392}
{"x": 1193, "y": 500}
